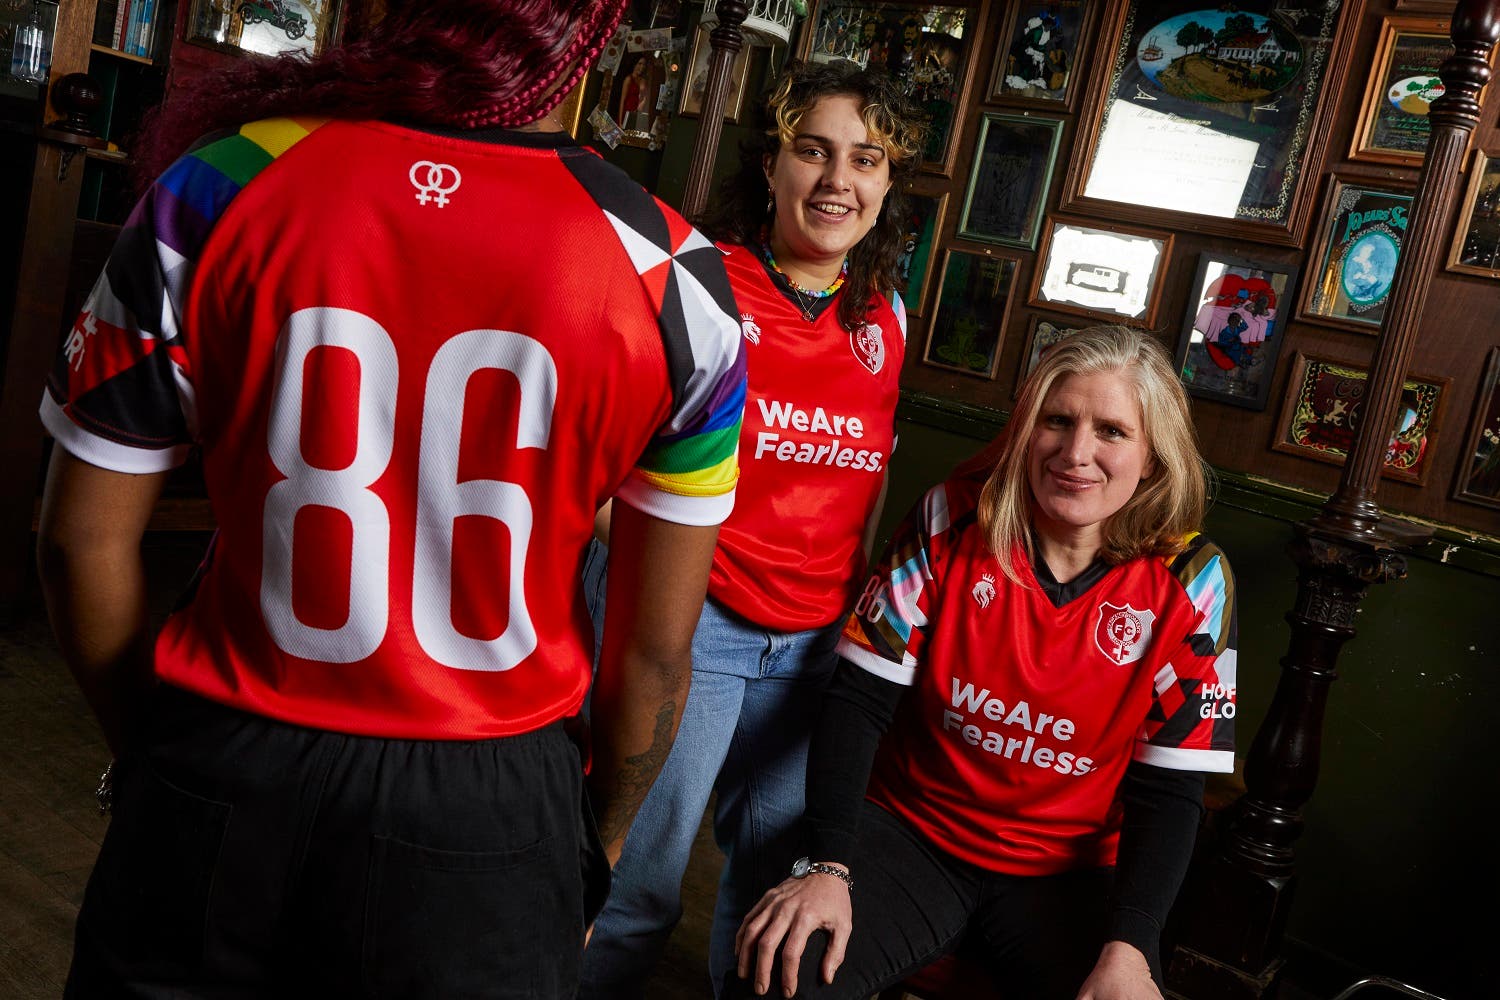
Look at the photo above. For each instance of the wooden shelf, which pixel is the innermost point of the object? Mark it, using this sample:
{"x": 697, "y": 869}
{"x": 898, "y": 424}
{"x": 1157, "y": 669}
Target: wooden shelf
{"x": 108, "y": 155}
{"x": 117, "y": 54}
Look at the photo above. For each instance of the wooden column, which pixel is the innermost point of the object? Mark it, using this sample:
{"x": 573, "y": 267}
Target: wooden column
{"x": 1234, "y": 907}
{"x": 727, "y": 41}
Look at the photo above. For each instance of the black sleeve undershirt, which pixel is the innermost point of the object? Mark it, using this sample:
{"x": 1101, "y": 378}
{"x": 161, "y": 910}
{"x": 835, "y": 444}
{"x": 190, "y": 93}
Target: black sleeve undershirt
{"x": 1162, "y": 807}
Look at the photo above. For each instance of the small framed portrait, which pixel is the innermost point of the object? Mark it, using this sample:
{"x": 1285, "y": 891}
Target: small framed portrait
{"x": 1038, "y": 55}
{"x": 1101, "y": 272}
{"x": 1235, "y": 324}
{"x": 1393, "y": 125}
{"x": 696, "y": 79}
{"x": 1479, "y": 468}
{"x": 1476, "y": 238}
{"x": 265, "y": 27}
{"x": 1359, "y": 241}
{"x": 1008, "y": 183}
{"x": 914, "y": 263}
{"x": 973, "y": 300}
{"x": 1324, "y": 404}
{"x": 1043, "y": 335}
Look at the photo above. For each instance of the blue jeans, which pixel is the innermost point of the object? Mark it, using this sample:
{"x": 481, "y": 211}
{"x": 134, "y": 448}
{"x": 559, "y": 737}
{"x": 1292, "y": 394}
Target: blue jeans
{"x": 744, "y": 736}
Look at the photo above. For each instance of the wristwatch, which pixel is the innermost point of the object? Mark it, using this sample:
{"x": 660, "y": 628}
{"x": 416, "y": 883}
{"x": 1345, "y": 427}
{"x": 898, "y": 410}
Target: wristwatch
{"x": 803, "y": 867}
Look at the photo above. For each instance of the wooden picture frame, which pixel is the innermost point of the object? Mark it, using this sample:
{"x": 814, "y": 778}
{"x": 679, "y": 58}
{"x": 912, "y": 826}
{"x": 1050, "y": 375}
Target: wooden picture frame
{"x": 974, "y": 298}
{"x": 927, "y": 48}
{"x": 1426, "y": 6}
{"x": 695, "y": 79}
{"x": 1322, "y": 409}
{"x": 1476, "y": 237}
{"x": 1010, "y": 178}
{"x": 914, "y": 263}
{"x": 1040, "y": 49}
{"x": 1353, "y": 262}
{"x": 1101, "y": 271}
{"x": 1479, "y": 464}
{"x": 1393, "y": 126}
{"x": 1236, "y": 320}
{"x": 258, "y": 27}
{"x": 1041, "y": 334}
{"x": 1228, "y": 158}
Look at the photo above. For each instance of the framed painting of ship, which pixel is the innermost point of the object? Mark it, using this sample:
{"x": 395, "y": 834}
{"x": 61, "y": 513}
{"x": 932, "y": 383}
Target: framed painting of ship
{"x": 1205, "y": 115}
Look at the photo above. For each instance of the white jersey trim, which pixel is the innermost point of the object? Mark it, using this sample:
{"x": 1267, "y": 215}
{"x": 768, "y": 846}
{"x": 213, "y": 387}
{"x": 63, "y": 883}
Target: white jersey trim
{"x": 904, "y": 673}
{"x": 1180, "y": 759}
{"x": 696, "y": 511}
{"x": 104, "y": 453}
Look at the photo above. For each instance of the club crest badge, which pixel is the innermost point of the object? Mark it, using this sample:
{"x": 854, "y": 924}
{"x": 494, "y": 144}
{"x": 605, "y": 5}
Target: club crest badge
{"x": 984, "y": 591}
{"x": 869, "y": 347}
{"x": 1123, "y": 634}
{"x": 749, "y": 328}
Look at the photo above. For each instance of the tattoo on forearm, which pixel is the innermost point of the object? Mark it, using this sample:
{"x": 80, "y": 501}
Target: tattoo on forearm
{"x": 636, "y": 775}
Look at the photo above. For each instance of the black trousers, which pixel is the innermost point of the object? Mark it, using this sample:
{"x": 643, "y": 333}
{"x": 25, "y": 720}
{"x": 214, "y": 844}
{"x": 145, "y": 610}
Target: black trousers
{"x": 1038, "y": 936}
{"x": 249, "y": 858}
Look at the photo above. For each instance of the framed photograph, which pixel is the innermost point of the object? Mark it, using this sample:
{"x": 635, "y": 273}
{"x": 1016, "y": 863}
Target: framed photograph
{"x": 1043, "y": 335}
{"x": 1476, "y": 239}
{"x": 914, "y": 263}
{"x": 973, "y": 300}
{"x": 1035, "y": 62}
{"x": 1359, "y": 241}
{"x": 1236, "y": 320}
{"x": 1479, "y": 469}
{"x": 1393, "y": 125}
{"x": 926, "y": 48}
{"x": 1204, "y": 116}
{"x": 697, "y": 79}
{"x": 1322, "y": 412}
{"x": 1101, "y": 272}
{"x": 1427, "y": 6}
{"x": 264, "y": 27}
{"x": 1010, "y": 178}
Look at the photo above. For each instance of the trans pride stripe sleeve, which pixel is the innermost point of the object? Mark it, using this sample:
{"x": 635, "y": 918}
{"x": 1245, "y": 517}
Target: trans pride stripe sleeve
{"x": 120, "y": 394}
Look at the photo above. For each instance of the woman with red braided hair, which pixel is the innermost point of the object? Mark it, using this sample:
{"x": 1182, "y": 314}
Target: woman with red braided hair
{"x": 418, "y": 337}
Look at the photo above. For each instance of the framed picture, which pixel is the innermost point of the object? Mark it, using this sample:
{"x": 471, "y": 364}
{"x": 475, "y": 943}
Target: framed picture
{"x": 1427, "y": 6}
{"x": 914, "y": 263}
{"x": 1479, "y": 470}
{"x": 973, "y": 300}
{"x": 697, "y": 79}
{"x": 1476, "y": 239}
{"x": 264, "y": 27}
{"x": 1035, "y": 63}
{"x": 925, "y": 47}
{"x": 1101, "y": 272}
{"x": 1207, "y": 116}
{"x": 1358, "y": 244}
{"x": 1010, "y": 178}
{"x": 1322, "y": 412}
{"x": 1235, "y": 324}
{"x": 1042, "y": 337}
{"x": 1393, "y": 125}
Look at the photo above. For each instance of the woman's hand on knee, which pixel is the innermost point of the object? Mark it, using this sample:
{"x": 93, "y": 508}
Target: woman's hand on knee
{"x": 785, "y": 918}
{"x": 1120, "y": 974}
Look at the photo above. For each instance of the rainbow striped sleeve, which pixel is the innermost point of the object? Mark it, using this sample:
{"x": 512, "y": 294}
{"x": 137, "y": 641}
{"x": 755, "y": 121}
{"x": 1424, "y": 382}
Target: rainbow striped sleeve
{"x": 120, "y": 392}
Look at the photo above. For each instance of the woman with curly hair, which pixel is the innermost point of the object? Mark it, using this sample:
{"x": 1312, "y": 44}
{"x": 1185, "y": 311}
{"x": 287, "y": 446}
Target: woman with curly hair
{"x": 810, "y": 228}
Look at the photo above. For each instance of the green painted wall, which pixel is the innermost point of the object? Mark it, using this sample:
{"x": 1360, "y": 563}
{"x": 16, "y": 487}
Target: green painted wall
{"x": 1396, "y": 854}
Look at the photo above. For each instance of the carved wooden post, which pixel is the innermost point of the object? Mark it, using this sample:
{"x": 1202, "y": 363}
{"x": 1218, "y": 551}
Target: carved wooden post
{"x": 727, "y": 41}
{"x": 1239, "y": 892}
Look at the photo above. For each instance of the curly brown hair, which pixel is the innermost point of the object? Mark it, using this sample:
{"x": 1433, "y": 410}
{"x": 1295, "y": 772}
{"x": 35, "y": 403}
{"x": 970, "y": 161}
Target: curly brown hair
{"x": 742, "y": 209}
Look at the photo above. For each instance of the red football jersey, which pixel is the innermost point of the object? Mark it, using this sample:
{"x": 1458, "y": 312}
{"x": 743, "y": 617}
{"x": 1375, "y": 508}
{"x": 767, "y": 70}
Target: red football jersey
{"x": 1010, "y": 747}
{"x": 817, "y": 437}
{"x": 416, "y": 364}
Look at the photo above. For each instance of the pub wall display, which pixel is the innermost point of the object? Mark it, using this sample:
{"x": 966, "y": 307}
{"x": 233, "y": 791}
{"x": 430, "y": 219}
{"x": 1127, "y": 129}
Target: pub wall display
{"x": 1102, "y": 272}
{"x": 1043, "y": 335}
{"x": 1010, "y": 178}
{"x": 262, "y": 28}
{"x": 1479, "y": 468}
{"x": 1037, "y": 58}
{"x": 1234, "y": 328}
{"x": 914, "y": 263}
{"x": 1324, "y": 404}
{"x": 1210, "y": 111}
{"x": 973, "y": 302}
{"x": 697, "y": 79}
{"x": 1476, "y": 237}
{"x": 1359, "y": 239}
{"x": 1393, "y": 125}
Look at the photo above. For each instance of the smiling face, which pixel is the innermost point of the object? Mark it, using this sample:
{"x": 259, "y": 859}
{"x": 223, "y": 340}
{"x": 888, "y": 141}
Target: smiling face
{"x": 1087, "y": 455}
{"x": 829, "y": 182}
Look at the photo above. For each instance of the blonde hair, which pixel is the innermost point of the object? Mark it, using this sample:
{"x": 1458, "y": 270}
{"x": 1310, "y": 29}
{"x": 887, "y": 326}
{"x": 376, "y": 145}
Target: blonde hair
{"x": 1166, "y": 507}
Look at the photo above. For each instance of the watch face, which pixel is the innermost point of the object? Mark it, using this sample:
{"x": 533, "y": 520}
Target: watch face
{"x": 801, "y": 867}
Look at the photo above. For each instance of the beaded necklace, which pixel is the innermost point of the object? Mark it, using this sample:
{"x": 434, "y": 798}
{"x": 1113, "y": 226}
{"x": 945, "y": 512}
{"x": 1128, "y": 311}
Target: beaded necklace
{"x": 805, "y": 297}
